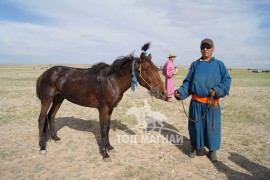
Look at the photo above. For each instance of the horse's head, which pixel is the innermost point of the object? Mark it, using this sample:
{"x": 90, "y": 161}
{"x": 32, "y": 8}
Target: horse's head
{"x": 148, "y": 76}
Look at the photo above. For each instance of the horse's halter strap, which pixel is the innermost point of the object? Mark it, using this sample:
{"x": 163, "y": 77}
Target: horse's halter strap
{"x": 134, "y": 80}
{"x": 151, "y": 87}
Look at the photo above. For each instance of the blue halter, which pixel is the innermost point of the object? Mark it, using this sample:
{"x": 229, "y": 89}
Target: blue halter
{"x": 134, "y": 80}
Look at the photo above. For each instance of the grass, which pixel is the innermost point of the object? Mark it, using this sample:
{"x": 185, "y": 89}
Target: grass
{"x": 245, "y": 129}
{"x": 247, "y": 102}
{"x": 246, "y": 78}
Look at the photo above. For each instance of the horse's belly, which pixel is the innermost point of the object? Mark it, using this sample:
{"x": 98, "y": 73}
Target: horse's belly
{"x": 86, "y": 101}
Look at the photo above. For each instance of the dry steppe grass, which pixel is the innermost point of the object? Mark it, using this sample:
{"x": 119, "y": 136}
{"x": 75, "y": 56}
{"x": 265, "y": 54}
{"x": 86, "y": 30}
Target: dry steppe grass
{"x": 244, "y": 153}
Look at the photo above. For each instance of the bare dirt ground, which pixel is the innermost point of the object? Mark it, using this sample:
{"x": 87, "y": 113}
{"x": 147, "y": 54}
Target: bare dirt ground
{"x": 244, "y": 153}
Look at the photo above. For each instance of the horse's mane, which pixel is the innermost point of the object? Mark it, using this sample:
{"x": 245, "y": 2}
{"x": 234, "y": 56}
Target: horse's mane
{"x": 100, "y": 69}
{"x": 103, "y": 69}
{"x": 120, "y": 63}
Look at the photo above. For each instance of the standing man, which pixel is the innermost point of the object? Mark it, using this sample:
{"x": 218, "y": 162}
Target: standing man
{"x": 207, "y": 81}
{"x": 169, "y": 71}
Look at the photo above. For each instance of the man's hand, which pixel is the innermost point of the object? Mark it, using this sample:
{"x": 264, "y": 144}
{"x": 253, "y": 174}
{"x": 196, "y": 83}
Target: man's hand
{"x": 176, "y": 94}
{"x": 213, "y": 93}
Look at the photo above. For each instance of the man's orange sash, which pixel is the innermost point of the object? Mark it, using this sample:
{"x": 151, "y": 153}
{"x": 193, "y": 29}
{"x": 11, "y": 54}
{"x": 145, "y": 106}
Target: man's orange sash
{"x": 204, "y": 100}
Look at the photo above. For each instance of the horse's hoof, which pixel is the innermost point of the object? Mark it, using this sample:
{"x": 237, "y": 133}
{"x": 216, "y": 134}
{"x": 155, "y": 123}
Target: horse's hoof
{"x": 55, "y": 138}
{"x": 110, "y": 148}
{"x": 58, "y": 141}
{"x": 105, "y": 155}
{"x": 108, "y": 159}
{"x": 42, "y": 152}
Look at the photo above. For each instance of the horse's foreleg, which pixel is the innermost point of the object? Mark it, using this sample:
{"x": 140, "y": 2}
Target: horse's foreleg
{"x": 104, "y": 137}
{"x": 57, "y": 101}
{"x": 104, "y": 118}
{"x": 107, "y": 143}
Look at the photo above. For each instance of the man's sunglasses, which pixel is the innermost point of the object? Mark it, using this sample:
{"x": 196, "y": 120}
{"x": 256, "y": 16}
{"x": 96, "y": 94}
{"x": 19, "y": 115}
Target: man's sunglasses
{"x": 206, "y": 46}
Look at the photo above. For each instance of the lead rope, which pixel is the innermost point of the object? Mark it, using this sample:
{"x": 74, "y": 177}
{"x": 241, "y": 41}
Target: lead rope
{"x": 195, "y": 120}
{"x": 203, "y": 116}
{"x": 212, "y": 101}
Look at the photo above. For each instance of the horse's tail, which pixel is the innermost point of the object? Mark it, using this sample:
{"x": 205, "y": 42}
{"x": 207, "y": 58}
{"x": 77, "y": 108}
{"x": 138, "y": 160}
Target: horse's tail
{"x": 146, "y": 46}
{"x": 38, "y": 87}
{"x": 46, "y": 129}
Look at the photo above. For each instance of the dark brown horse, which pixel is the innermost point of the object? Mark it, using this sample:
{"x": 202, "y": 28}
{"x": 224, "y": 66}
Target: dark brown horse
{"x": 101, "y": 86}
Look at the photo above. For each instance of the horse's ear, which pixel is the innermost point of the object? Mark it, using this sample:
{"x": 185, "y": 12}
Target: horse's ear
{"x": 149, "y": 57}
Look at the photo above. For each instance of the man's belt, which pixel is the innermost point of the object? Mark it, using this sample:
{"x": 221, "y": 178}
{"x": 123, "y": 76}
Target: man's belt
{"x": 205, "y": 100}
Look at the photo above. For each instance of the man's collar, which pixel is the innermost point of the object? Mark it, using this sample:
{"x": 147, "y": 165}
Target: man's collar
{"x": 212, "y": 59}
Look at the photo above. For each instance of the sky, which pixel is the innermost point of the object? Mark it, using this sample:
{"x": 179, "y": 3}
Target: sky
{"x": 92, "y": 31}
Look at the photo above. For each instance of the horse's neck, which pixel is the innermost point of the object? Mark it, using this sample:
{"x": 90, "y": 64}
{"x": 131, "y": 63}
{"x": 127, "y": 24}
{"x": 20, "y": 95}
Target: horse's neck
{"x": 123, "y": 81}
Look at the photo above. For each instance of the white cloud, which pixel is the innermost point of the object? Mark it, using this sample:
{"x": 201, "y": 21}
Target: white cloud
{"x": 93, "y": 31}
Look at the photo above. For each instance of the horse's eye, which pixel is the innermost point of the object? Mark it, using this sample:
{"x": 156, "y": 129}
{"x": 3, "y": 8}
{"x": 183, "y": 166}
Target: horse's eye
{"x": 148, "y": 72}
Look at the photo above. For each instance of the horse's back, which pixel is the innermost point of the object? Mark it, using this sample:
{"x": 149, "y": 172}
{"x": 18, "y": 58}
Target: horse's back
{"x": 56, "y": 76}
{"x": 62, "y": 71}
{"x": 80, "y": 86}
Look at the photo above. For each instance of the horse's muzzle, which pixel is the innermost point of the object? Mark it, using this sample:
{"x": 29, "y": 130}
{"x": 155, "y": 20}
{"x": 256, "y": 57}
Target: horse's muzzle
{"x": 158, "y": 93}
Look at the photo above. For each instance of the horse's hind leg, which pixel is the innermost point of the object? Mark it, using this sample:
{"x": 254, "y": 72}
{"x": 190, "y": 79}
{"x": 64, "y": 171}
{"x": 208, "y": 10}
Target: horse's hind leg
{"x": 42, "y": 124}
{"x": 57, "y": 101}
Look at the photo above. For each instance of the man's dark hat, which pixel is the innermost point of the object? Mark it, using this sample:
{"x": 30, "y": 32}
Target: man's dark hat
{"x": 207, "y": 41}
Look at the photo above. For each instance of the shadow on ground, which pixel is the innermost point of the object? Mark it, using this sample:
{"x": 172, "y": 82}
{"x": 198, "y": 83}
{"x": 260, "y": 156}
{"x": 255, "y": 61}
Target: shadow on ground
{"x": 255, "y": 171}
{"x": 171, "y": 133}
{"x": 92, "y": 126}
